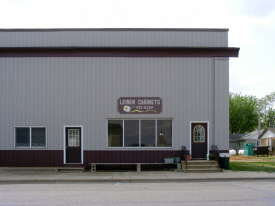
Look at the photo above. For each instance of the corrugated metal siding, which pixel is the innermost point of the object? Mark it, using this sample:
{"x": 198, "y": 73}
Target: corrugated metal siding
{"x": 95, "y": 38}
{"x": 53, "y": 158}
{"x": 222, "y": 103}
{"x": 31, "y": 158}
{"x": 54, "y": 92}
{"x": 128, "y": 156}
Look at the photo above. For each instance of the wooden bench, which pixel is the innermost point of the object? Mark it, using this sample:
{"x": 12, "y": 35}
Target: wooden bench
{"x": 138, "y": 165}
{"x": 260, "y": 150}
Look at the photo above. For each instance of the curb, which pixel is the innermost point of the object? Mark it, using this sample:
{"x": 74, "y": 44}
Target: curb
{"x": 134, "y": 180}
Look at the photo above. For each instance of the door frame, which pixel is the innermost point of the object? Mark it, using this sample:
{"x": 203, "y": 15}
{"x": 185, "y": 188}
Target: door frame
{"x": 190, "y": 135}
{"x": 64, "y": 142}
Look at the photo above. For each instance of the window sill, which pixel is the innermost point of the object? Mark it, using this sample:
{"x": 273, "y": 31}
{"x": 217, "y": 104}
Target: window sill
{"x": 29, "y": 148}
{"x": 140, "y": 148}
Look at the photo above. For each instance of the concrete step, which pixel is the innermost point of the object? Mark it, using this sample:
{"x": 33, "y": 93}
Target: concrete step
{"x": 201, "y": 162}
{"x": 201, "y": 166}
{"x": 202, "y": 170}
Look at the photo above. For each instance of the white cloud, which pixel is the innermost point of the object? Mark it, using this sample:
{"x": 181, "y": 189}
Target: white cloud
{"x": 250, "y": 83}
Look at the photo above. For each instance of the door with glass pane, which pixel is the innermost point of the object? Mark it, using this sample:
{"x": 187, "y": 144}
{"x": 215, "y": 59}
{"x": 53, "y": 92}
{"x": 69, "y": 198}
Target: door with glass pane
{"x": 73, "y": 145}
{"x": 199, "y": 140}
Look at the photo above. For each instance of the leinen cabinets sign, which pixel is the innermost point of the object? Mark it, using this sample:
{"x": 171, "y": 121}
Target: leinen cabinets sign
{"x": 139, "y": 105}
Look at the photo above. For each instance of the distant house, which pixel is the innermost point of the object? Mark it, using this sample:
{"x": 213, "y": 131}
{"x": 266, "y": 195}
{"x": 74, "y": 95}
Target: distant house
{"x": 267, "y": 138}
{"x": 251, "y": 137}
{"x": 233, "y": 140}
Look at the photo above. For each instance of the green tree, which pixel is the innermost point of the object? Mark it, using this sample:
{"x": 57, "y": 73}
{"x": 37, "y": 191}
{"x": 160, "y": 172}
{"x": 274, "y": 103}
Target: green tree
{"x": 243, "y": 113}
{"x": 267, "y": 111}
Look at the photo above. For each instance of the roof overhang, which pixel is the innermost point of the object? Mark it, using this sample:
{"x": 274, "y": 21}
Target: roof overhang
{"x": 119, "y": 52}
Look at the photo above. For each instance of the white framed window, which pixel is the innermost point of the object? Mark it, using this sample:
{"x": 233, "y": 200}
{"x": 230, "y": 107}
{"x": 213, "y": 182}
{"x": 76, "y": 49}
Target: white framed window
{"x": 30, "y": 136}
{"x": 139, "y": 133}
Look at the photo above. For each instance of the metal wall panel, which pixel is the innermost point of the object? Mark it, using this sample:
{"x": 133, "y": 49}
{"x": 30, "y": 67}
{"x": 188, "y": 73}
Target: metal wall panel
{"x": 53, "y": 158}
{"x": 54, "y": 92}
{"x": 222, "y": 103}
{"x": 119, "y": 38}
{"x": 129, "y": 156}
{"x": 31, "y": 158}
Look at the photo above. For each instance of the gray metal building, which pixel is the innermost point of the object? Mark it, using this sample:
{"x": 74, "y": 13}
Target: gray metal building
{"x": 76, "y": 96}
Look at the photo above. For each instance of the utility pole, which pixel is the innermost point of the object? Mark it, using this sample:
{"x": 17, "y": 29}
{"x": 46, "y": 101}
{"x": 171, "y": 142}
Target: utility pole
{"x": 259, "y": 125}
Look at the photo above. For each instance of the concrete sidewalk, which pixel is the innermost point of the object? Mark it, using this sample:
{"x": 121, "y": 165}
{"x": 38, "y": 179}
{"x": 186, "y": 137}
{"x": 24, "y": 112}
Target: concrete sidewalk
{"x": 88, "y": 177}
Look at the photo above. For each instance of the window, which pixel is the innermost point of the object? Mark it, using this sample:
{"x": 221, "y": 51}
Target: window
{"x": 131, "y": 133}
{"x": 199, "y": 134}
{"x": 164, "y": 133}
{"x": 30, "y": 136}
{"x": 140, "y": 133}
{"x": 115, "y": 133}
{"x": 73, "y": 138}
{"x": 148, "y": 133}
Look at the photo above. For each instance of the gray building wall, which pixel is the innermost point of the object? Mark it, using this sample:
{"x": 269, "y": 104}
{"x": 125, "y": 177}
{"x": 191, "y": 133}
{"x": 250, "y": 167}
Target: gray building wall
{"x": 114, "y": 38}
{"x": 221, "y": 103}
{"x": 83, "y": 91}
{"x": 54, "y": 92}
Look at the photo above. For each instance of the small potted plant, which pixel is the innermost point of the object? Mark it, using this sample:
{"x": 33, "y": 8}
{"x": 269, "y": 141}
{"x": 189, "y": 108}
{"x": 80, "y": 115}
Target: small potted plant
{"x": 211, "y": 156}
{"x": 169, "y": 159}
{"x": 187, "y": 156}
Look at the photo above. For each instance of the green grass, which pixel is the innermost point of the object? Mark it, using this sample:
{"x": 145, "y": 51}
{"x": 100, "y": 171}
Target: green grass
{"x": 253, "y": 166}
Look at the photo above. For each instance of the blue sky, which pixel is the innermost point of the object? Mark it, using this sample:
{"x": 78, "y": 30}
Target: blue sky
{"x": 251, "y": 25}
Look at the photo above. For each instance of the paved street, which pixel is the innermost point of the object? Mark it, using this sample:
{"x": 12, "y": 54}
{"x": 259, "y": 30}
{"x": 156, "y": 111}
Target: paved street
{"x": 145, "y": 193}
{"x": 138, "y": 188}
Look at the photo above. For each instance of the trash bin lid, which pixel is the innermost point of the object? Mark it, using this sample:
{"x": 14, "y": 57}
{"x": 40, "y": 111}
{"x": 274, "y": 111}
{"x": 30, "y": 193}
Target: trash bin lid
{"x": 224, "y": 154}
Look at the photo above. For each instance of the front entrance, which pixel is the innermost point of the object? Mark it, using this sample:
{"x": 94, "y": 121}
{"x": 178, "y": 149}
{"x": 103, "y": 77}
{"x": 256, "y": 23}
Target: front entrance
{"x": 199, "y": 140}
{"x": 73, "y": 145}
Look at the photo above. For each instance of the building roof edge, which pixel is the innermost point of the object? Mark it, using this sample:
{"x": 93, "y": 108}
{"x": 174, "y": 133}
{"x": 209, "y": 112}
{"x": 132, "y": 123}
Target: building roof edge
{"x": 112, "y": 29}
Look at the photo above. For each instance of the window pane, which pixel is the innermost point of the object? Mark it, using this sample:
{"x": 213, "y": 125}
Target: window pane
{"x": 22, "y": 137}
{"x": 131, "y": 133}
{"x": 148, "y": 133}
{"x": 164, "y": 133}
{"x": 73, "y": 137}
{"x": 115, "y": 133}
{"x": 39, "y": 137}
{"x": 199, "y": 134}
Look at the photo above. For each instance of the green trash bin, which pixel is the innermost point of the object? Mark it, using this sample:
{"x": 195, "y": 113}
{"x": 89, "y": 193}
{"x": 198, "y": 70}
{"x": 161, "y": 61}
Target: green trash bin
{"x": 248, "y": 149}
{"x": 224, "y": 160}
